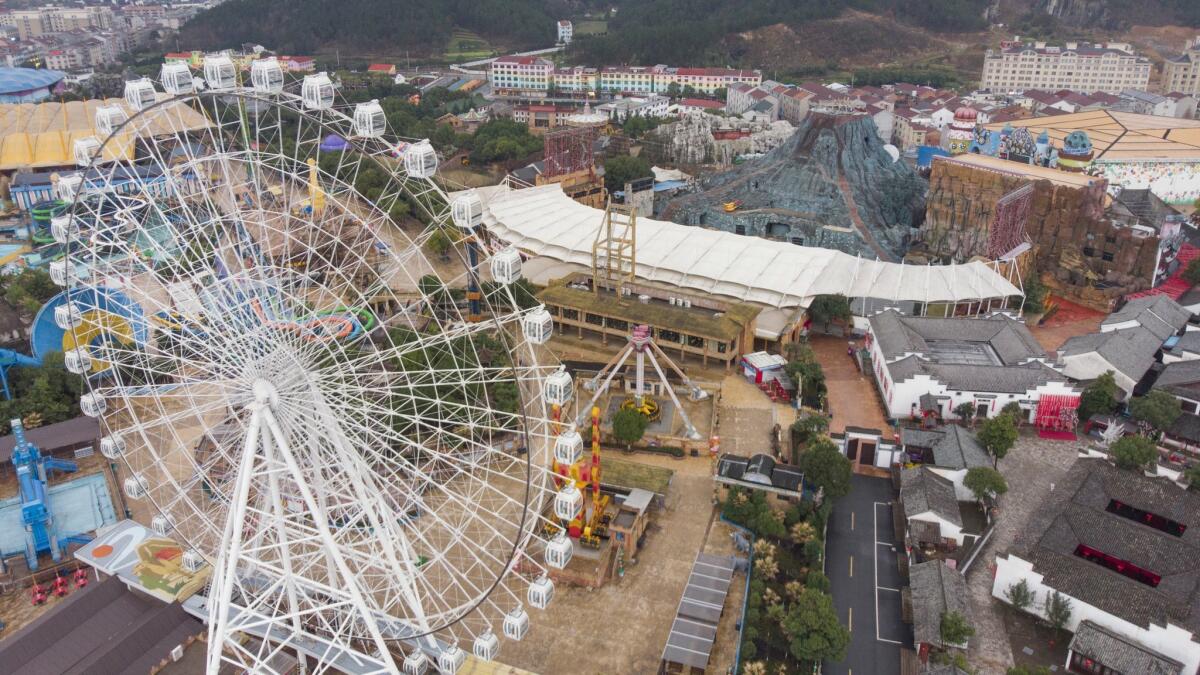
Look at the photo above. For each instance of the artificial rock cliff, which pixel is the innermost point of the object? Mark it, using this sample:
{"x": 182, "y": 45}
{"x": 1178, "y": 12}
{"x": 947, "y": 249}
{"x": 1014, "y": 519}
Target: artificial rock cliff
{"x": 832, "y": 184}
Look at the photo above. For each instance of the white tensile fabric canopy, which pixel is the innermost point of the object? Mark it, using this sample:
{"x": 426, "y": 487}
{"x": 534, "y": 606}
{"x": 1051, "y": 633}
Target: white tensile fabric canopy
{"x": 543, "y": 221}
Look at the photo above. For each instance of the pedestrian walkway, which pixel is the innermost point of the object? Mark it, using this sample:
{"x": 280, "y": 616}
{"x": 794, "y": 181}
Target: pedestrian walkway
{"x": 852, "y": 397}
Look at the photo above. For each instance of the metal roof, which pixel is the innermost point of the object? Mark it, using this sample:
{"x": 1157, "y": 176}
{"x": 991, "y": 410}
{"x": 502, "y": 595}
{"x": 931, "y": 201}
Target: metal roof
{"x": 82, "y": 429}
{"x": 1122, "y": 136}
{"x": 14, "y": 80}
{"x": 695, "y": 625}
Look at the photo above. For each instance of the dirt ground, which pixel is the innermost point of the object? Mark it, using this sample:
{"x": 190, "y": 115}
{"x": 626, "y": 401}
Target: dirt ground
{"x": 623, "y": 626}
{"x": 852, "y": 397}
{"x": 1069, "y": 321}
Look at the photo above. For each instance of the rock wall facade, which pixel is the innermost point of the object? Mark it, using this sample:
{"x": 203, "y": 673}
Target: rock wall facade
{"x": 1077, "y": 250}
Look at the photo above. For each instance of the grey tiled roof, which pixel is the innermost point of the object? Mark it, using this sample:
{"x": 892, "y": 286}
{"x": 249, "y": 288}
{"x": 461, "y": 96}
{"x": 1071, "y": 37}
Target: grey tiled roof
{"x": 936, "y": 590}
{"x": 899, "y": 334}
{"x": 963, "y": 377}
{"x": 1189, "y": 342}
{"x": 1120, "y": 653}
{"x": 1075, "y": 514}
{"x": 1128, "y": 350}
{"x": 922, "y": 490}
{"x": 953, "y": 446}
{"x": 1180, "y": 378}
{"x": 1157, "y": 313}
{"x": 1186, "y": 427}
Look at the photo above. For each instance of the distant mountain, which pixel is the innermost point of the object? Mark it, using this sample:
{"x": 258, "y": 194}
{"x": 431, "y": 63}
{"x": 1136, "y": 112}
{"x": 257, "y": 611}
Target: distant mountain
{"x": 364, "y": 26}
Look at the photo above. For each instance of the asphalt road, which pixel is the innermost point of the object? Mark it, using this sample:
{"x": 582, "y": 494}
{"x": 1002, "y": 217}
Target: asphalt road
{"x": 861, "y": 566}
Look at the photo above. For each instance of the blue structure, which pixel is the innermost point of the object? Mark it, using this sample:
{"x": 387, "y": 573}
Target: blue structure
{"x": 41, "y": 534}
{"x": 8, "y": 359}
{"x": 28, "y": 85}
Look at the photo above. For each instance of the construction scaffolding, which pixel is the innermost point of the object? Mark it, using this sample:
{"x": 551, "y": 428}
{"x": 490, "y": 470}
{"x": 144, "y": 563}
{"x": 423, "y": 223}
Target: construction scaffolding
{"x": 614, "y": 253}
{"x": 568, "y": 151}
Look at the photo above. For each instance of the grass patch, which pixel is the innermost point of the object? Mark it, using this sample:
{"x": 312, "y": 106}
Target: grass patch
{"x": 466, "y": 45}
{"x": 590, "y": 27}
{"x": 626, "y": 474}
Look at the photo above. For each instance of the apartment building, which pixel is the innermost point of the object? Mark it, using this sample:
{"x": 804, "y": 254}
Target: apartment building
{"x": 1078, "y": 66}
{"x": 32, "y": 23}
{"x": 1182, "y": 73}
{"x": 565, "y": 32}
{"x": 577, "y": 80}
{"x": 515, "y": 74}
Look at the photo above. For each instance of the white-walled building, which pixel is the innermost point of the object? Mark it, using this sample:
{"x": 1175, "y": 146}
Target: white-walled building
{"x": 1127, "y": 343}
{"x": 1124, "y": 549}
{"x": 949, "y": 451}
{"x": 1078, "y": 66}
{"x": 987, "y": 362}
{"x": 566, "y": 32}
{"x": 930, "y": 507}
{"x": 622, "y": 108}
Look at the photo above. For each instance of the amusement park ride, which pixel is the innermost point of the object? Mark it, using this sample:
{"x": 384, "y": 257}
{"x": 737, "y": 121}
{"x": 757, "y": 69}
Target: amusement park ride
{"x": 573, "y": 471}
{"x": 41, "y": 533}
{"x": 642, "y": 346}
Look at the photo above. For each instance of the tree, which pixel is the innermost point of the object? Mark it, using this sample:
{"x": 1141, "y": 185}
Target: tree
{"x": 985, "y": 483}
{"x": 1192, "y": 476}
{"x": 965, "y": 410}
{"x": 1019, "y": 595}
{"x": 812, "y": 628}
{"x": 825, "y": 309}
{"x": 954, "y": 629}
{"x": 1099, "y": 397}
{"x": 1058, "y": 611}
{"x": 1158, "y": 409}
{"x": 804, "y": 430}
{"x": 439, "y": 243}
{"x": 621, "y": 169}
{"x": 29, "y": 290}
{"x": 629, "y": 426}
{"x": 1134, "y": 452}
{"x": 1013, "y": 410}
{"x": 1035, "y": 295}
{"x": 1191, "y": 274}
{"x": 997, "y": 436}
{"x": 673, "y": 90}
{"x": 827, "y": 468}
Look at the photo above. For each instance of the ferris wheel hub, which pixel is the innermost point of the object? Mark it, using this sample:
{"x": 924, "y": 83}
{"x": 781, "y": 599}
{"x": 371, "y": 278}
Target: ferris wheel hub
{"x": 265, "y": 393}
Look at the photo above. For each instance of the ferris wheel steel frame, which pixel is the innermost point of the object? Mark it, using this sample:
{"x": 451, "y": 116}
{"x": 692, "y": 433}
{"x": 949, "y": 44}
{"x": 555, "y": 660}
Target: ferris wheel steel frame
{"x": 254, "y": 576}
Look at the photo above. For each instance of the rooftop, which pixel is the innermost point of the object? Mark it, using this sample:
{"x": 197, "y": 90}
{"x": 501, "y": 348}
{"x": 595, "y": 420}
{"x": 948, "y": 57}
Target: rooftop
{"x": 1122, "y": 136}
{"x": 1078, "y": 514}
{"x": 16, "y": 80}
{"x": 82, "y": 429}
{"x": 1181, "y": 378}
{"x": 1119, "y": 653}
{"x": 1129, "y": 350}
{"x": 936, "y": 590}
{"x": 923, "y": 491}
{"x": 543, "y": 221}
{"x": 996, "y": 340}
{"x": 1158, "y": 314}
{"x": 953, "y": 447}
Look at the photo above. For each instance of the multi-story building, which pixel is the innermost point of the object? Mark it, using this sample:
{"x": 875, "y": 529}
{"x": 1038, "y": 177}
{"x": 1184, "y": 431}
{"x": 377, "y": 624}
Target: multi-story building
{"x": 34, "y": 22}
{"x": 565, "y": 32}
{"x": 521, "y": 74}
{"x": 541, "y": 118}
{"x": 630, "y": 79}
{"x": 621, "y": 109}
{"x": 532, "y": 75}
{"x": 1182, "y": 73}
{"x": 1078, "y": 66}
{"x": 577, "y": 80}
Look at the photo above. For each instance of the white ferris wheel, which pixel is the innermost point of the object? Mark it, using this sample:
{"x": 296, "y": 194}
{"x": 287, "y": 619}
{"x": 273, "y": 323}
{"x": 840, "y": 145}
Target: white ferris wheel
{"x": 300, "y": 397}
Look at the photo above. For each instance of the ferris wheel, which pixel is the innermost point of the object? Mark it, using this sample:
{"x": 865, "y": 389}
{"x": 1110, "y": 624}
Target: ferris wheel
{"x": 299, "y": 395}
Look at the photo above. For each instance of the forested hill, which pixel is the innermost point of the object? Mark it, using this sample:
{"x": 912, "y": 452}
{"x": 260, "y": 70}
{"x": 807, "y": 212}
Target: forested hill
{"x": 638, "y": 31}
{"x": 304, "y": 26}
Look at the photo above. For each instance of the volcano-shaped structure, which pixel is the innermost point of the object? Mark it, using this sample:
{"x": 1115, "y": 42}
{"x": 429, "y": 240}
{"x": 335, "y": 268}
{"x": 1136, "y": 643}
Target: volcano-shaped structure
{"x": 832, "y": 184}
